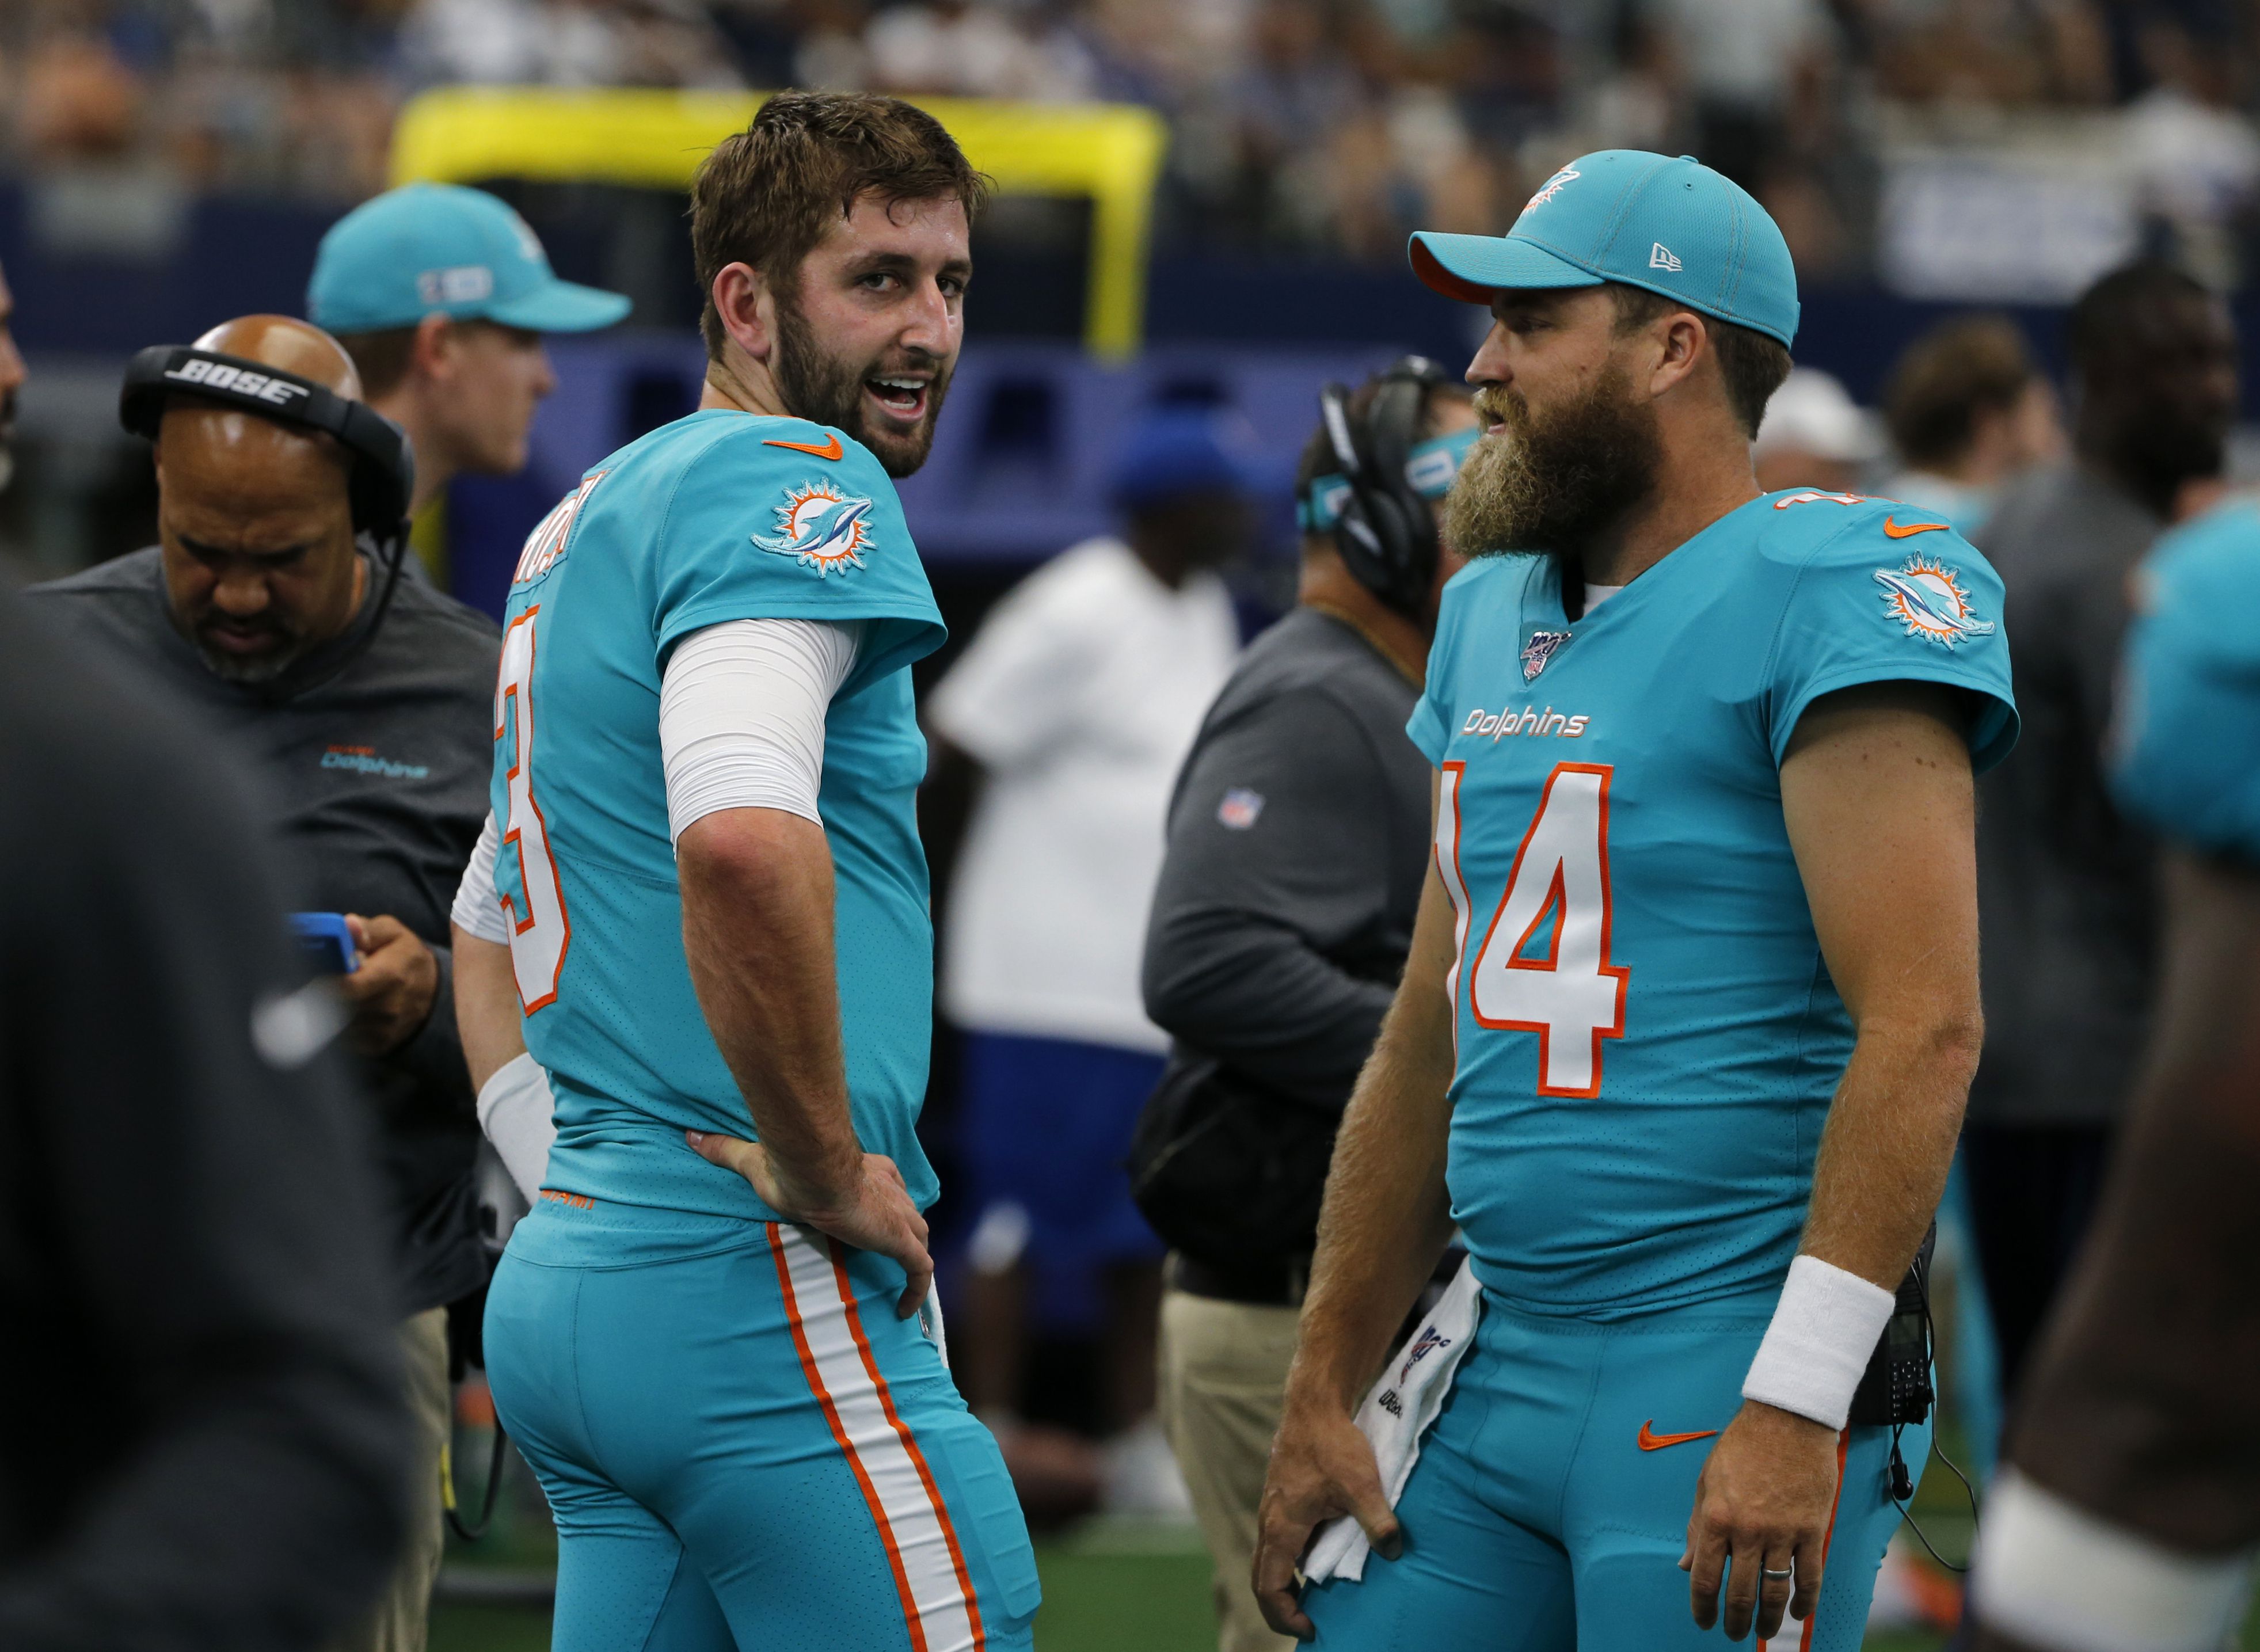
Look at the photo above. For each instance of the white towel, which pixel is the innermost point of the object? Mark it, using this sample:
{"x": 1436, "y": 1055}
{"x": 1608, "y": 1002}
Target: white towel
{"x": 1402, "y": 1402}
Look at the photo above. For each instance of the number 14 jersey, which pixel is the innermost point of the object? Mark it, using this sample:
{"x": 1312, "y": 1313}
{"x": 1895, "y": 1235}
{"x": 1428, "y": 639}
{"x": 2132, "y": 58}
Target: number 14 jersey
{"x": 1646, "y": 1035}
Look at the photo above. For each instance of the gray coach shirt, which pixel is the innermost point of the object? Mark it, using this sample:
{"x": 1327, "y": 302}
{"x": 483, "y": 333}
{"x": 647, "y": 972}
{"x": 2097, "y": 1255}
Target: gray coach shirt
{"x": 1298, "y": 842}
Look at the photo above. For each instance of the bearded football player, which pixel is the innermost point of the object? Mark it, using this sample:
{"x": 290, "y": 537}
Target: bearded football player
{"x": 1691, "y": 1010}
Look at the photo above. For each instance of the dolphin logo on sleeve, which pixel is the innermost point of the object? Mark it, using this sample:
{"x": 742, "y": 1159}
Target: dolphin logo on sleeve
{"x": 821, "y": 527}
{"x": 1927, "y": 598}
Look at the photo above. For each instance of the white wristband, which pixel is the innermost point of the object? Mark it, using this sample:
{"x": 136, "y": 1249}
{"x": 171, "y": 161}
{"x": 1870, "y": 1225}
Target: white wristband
{"x": 2050, "y": 1572}
{"x": 515, "y": 1110}
{"x": 1824, "y": 1333}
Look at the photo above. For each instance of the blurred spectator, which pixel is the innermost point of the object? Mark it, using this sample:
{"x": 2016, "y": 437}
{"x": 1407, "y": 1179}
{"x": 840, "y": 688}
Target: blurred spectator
{"x": 201, "y": 1427}
{"x": 440, "y": 295}
{"x": 567, "y": 43}
{"x": 1055, "y": 739}
{"x": 2066, "y": 885}
{"x": 969, "y": 50}
{"x": 1741, "y": 60}
{"x": 1814, "y": 435}
{"x": 2196, "y": 159}
{"x": 80, "y": 102}
{"x": 1298, "y": 842}
{"x": 366, "y": 702}
{"x": 1968, "y": 412}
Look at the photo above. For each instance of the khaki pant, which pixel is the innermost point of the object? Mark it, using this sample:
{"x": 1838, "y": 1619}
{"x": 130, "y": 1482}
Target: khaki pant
{"x": 400, "y": 1619}
{"x": 1223, "y": 1379}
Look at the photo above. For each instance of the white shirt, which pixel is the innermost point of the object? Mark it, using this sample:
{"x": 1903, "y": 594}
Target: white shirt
{"x": 1080, "y": 697}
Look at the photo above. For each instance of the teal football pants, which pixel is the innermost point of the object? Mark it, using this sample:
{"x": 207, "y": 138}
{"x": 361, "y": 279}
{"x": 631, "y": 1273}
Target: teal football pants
{"x": 1549, "y": 1509}
{"x": 744, "y": 1448}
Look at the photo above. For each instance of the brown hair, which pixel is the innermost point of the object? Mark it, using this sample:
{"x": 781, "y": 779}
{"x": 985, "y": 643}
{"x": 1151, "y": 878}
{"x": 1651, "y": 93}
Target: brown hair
{"x": 1751, "y": 364}
{"x": 382, "y": 358}
{"x": 766, "y": 196}
{"x": 1973, "y": 365}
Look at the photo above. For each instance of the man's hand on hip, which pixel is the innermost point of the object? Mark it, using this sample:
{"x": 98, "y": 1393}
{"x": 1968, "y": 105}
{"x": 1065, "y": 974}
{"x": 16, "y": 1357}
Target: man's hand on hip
{"x": 1765, "y": 1499}
{"x": 873, "y": 1211}
{"x": 391, "y": 995}
{"x": 1322, "y": 1466}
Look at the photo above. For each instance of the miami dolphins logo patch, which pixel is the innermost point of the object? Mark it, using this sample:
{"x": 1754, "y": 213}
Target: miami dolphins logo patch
{"x": 1926, "y": 598}
{"x": 825, "y": 528}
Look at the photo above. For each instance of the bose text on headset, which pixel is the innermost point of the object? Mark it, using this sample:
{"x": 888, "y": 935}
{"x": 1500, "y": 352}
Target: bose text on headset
{"x": 1379, "y": 504}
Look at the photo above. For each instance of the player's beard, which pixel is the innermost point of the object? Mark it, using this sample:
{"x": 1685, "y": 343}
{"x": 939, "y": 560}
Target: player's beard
{"x": 828, "y": 389}
{"x": 1554, "y": 485}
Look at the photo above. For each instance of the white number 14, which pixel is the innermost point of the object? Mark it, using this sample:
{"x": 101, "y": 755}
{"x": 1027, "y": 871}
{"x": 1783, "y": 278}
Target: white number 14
{"x": 1573, "y": 998}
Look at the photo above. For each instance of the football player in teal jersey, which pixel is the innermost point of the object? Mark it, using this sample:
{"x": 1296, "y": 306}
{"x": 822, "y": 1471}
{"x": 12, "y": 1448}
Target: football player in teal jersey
{"x": 1692, "y": 1007}
{"x": 707, "y": 1338}
{"x": 2129, "y": 1514}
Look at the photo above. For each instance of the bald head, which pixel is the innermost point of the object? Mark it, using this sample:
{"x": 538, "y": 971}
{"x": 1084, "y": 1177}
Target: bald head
{"x": 256, "y": 516}
{"x": 294, "y": 346}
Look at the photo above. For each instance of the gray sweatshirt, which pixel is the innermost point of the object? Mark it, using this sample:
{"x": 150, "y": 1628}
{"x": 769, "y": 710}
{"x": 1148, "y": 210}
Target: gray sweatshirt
{"x": 375, "y": 789}
{"x": 1298, "y": 840}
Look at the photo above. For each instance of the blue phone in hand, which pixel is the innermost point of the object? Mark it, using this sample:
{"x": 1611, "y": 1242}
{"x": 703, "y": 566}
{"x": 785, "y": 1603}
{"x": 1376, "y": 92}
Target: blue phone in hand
{"x": 326, "y": 942}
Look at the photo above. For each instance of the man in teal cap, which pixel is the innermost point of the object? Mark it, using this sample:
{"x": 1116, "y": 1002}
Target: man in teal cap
{"x": 1692, "y": 1008}
{"x": 441, "y": 295}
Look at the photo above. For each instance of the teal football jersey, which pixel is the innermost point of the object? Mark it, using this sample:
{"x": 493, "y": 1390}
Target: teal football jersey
{"x": 1647, "y": 1036}
{"x": 717, "y": 517}
{"x": 2187, "y": 736}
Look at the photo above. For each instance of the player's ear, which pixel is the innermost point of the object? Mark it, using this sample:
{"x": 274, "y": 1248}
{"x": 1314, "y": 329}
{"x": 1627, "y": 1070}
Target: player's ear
{"x": 747, "y": 305}
{"x": 1680, "y": 342}
{"x": 435, "y": 335}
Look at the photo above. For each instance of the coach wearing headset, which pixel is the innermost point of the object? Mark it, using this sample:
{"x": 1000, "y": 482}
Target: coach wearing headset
{"x": 1298, "y": 838}
{"x": 273, "y": 610}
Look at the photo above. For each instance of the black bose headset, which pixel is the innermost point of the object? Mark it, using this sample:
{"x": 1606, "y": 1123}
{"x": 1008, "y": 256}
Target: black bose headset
{"x": 383, "y": 478}
{"x": 1385, "y": 530}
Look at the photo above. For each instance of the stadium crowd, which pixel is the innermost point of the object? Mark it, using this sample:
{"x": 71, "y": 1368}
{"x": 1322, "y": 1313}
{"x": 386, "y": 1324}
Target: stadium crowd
{"x": 1334, "y": 125}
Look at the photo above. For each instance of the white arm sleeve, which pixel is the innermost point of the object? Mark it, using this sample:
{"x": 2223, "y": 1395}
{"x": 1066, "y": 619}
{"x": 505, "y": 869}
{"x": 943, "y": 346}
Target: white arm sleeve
{"x": 478, "y": 909}
{"x": 515, "y": 1110}
{"x": 741, "y": 715}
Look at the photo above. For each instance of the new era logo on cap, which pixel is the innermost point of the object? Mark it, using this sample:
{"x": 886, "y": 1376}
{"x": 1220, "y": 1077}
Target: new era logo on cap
{"x": 1661, "y": 257}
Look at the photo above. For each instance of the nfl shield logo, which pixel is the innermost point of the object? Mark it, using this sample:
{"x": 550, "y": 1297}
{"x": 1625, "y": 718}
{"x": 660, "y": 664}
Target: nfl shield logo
{"x": 1239, "y": 808}
{"x": 1542, "y": 647}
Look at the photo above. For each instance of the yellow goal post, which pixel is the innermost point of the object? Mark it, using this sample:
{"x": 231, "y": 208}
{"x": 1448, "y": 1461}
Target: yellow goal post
{"x": 1109, "y": 152}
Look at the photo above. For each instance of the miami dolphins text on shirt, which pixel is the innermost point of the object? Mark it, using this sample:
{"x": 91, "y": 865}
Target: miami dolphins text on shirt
{"x": 1497, "y": 725}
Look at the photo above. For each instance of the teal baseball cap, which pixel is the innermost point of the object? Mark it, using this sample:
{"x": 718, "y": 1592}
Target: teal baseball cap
{"x": 1671, "y": 226}
{"x": 428, "y": 249}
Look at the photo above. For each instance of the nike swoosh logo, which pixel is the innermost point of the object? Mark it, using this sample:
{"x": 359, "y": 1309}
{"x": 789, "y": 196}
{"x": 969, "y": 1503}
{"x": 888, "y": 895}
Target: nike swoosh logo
{"x": 1651, "y": 1440}
{"x": 832, "y": 449}
{"x": 1891, "y": 528}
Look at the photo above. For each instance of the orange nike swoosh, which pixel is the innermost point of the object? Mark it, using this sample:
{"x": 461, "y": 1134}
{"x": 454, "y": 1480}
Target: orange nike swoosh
{"x": 832, "y": 449}
{"x": 1652, "y": 1441}
{"x": 1891, "y": 528}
